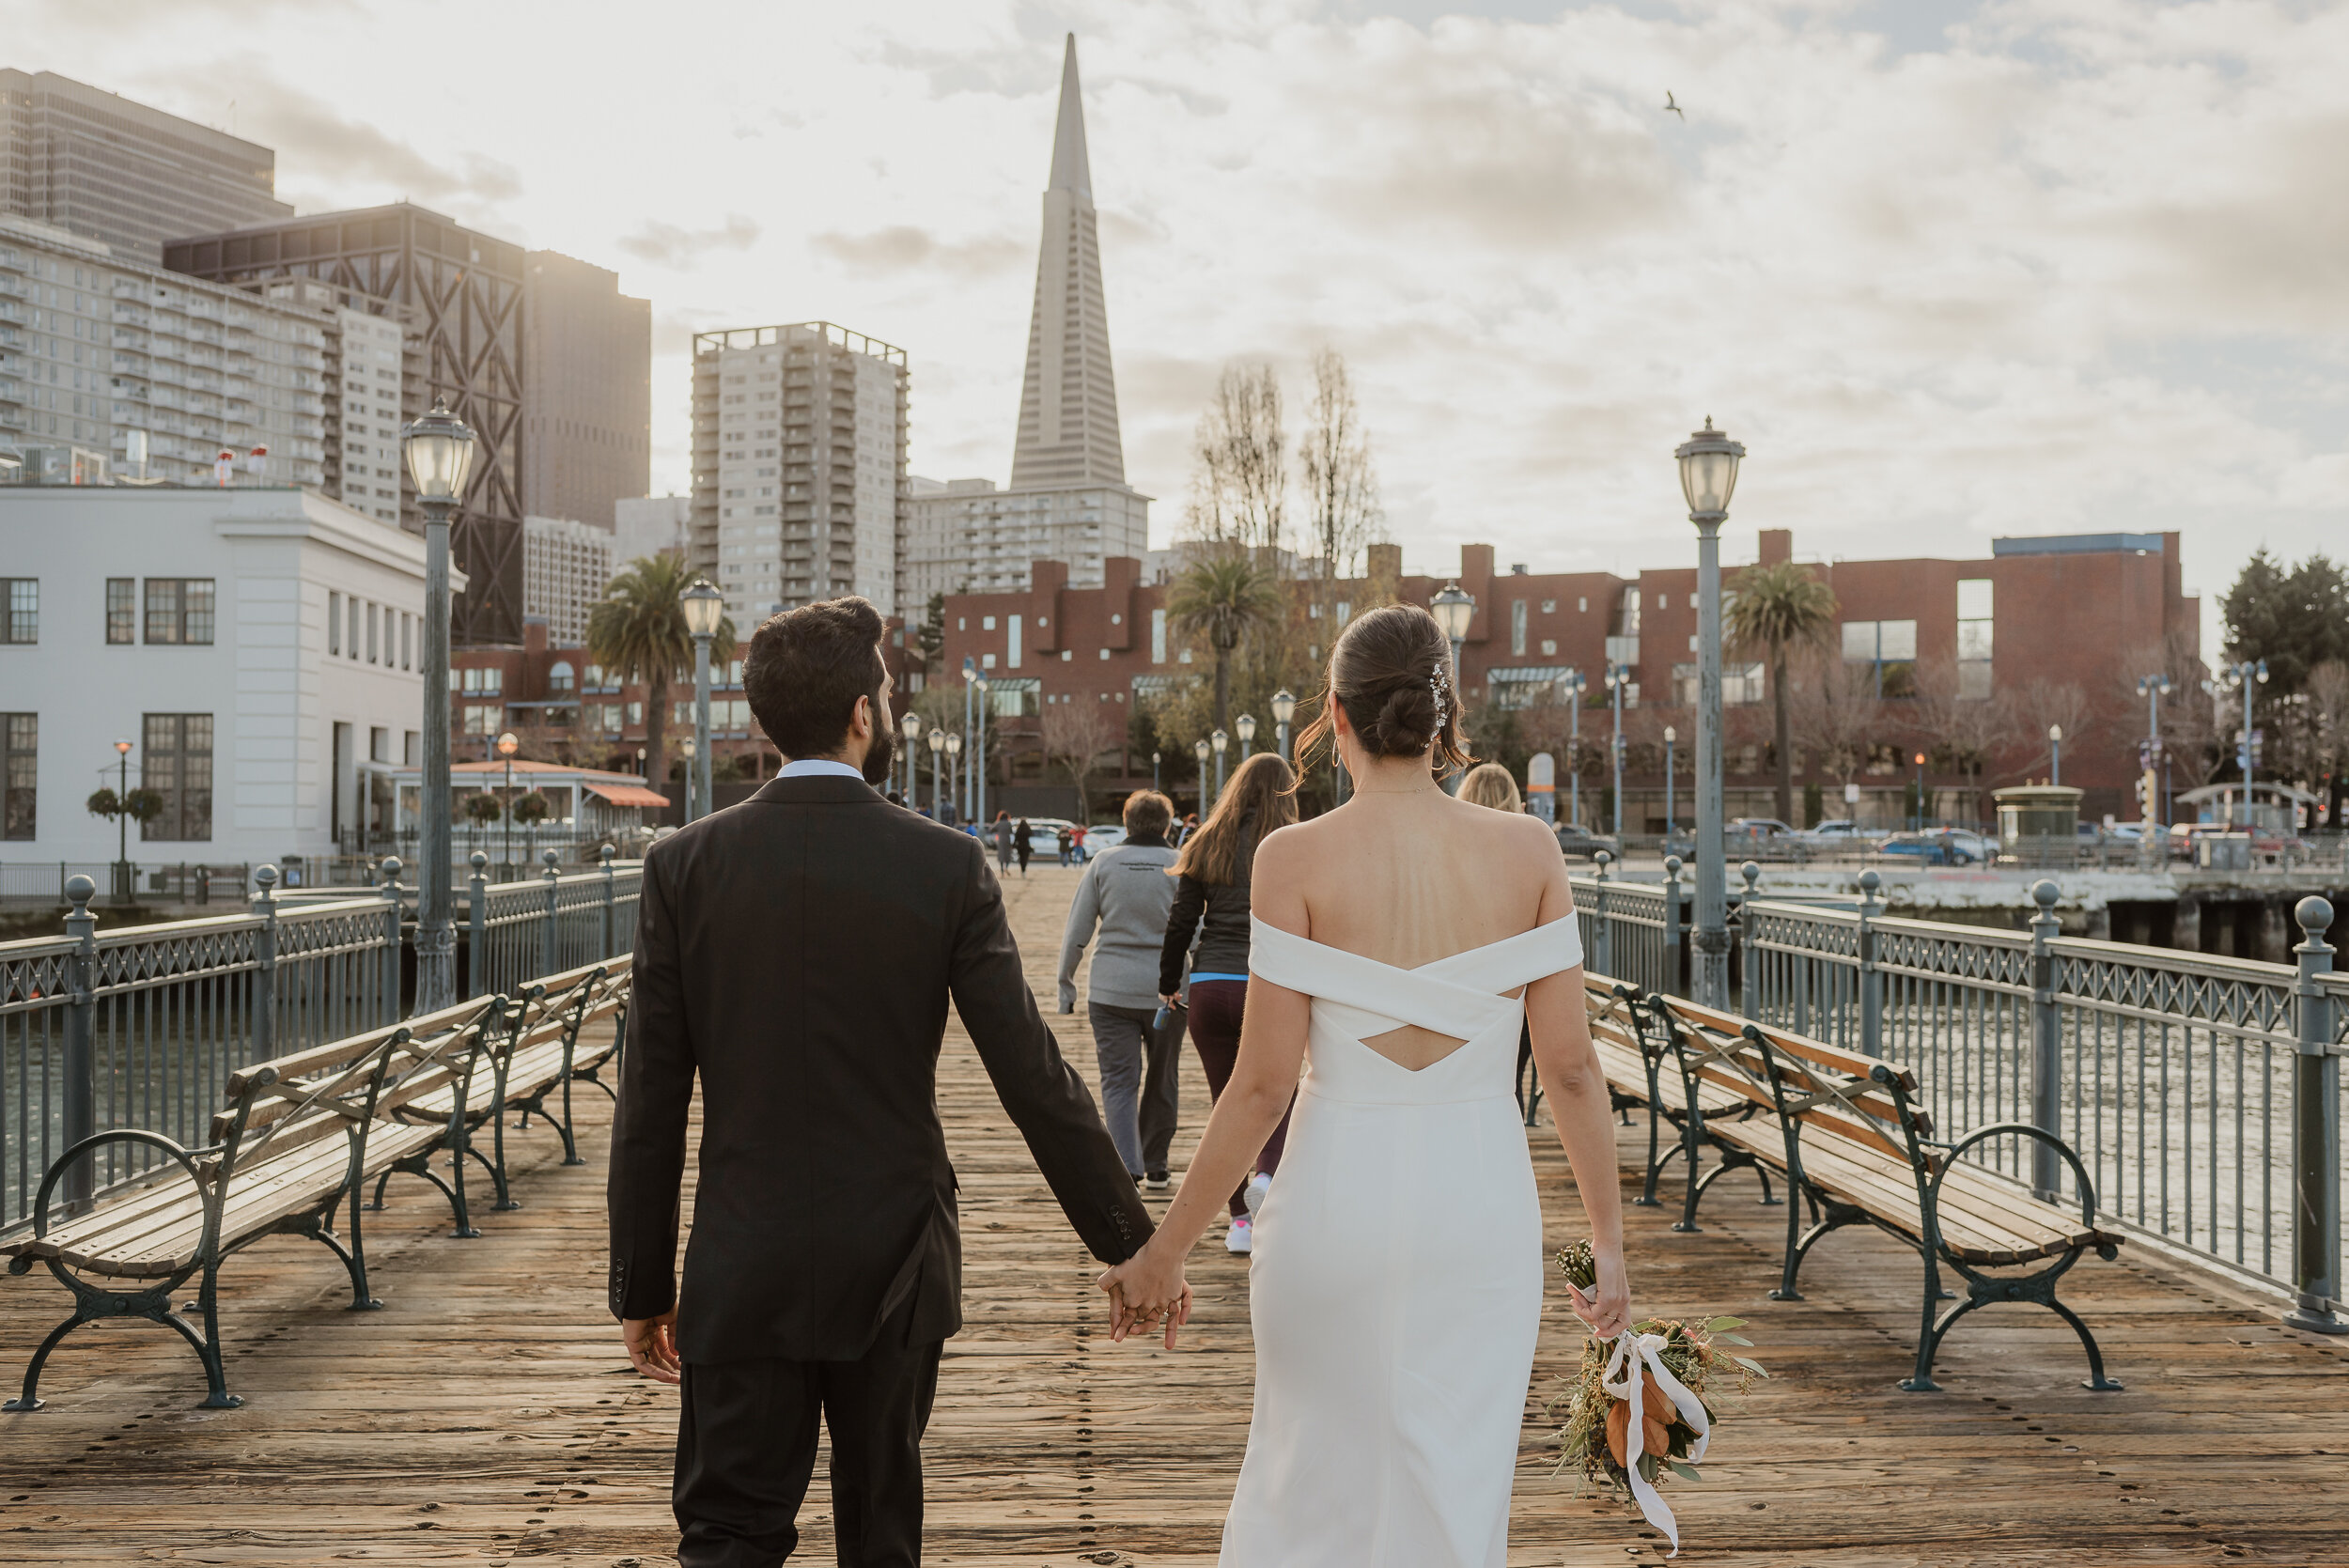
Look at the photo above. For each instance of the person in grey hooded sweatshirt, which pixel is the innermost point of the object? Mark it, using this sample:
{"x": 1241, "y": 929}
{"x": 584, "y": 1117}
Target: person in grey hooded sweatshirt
{"x": 1125, "y": 894}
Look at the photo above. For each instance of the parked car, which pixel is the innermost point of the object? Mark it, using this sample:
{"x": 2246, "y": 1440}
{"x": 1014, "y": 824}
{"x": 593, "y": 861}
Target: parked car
{"x": 1044, "y": 838}
{"x": 1759, "y": 827}
{"x": 1103, "y": 836}
{"x": 1943, "y": 847}
{"x": 1577, "y": 842}
{"x": 1835, "y": 832}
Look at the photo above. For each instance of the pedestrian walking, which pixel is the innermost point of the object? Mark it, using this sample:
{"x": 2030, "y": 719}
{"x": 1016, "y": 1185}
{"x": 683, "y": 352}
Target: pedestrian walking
{"x": 1125, "y": 895}
{"x": 1003, "y": 841}
{"x": 1211, "y": 894}
{"x": 1023, "y": 843}
{"x": 1065, "y": 841}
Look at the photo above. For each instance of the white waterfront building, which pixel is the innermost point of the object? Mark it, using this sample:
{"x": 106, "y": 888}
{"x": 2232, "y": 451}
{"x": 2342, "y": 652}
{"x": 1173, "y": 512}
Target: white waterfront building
{"x": 259, "y": 647}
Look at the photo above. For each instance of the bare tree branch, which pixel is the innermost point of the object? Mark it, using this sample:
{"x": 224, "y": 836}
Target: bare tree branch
{"x": 1240, "y": 490}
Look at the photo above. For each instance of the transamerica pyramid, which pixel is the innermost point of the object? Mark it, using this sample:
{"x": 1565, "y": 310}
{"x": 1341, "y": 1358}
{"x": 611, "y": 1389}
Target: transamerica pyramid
{"x": 1069, "y": 404}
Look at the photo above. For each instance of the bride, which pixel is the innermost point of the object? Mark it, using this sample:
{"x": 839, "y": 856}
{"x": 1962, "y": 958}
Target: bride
{"x": 1395, "y": 1288}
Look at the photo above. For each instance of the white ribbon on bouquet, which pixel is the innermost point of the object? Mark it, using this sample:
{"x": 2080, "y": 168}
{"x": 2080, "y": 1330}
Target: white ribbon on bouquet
{"x": 1632, "y": 1354}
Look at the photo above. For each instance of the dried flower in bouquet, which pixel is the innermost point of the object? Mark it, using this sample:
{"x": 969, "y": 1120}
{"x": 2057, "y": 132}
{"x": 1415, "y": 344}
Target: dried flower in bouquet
{"x": 1638, "y": 1407}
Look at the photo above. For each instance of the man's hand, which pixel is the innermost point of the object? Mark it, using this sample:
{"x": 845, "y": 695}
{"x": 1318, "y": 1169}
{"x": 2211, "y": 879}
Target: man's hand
{"x": 652, "y": 1345}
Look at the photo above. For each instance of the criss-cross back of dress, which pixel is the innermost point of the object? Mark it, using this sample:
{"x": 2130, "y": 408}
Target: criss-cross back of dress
{"x": 1357, "y": 999}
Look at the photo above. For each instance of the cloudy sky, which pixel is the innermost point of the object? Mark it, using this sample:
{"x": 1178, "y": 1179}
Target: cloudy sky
{"x": 1949, "y": 269}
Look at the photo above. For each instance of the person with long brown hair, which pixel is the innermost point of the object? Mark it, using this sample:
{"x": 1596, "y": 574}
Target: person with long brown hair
{"x": 1398, "y": 944}
{"x": 1211, "y": 876}
{"x": 1490, "y": 784}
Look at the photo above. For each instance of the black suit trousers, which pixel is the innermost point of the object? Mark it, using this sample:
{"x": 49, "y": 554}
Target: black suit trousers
{"x": 746, "y": 1450}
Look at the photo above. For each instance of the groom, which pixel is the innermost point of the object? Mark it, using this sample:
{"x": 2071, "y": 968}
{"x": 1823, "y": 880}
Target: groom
{"x": 798, "y": 953}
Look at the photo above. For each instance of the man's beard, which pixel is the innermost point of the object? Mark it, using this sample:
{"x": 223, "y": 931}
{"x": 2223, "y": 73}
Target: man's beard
{"x": 880, "y": 756}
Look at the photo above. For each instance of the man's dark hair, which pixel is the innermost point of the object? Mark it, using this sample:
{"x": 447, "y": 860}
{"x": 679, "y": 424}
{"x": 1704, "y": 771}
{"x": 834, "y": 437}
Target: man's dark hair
{"x": 806, "y": 669}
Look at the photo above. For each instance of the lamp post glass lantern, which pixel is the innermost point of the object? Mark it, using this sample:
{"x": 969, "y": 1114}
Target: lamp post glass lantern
{"x": 1708, "y": 462}
{"x": 1200, "y": 750}
{"x": 954, "y": 767}
{"x": 2055, "y": 753}
{"x": 910, "y": 727}
{"x": 938, "y": 778}
{"x": 1283, "y": 710}
{"x": 1245, "y": 727}
{"x": 439, "y": 450}
{"x": 1218, "y": 742}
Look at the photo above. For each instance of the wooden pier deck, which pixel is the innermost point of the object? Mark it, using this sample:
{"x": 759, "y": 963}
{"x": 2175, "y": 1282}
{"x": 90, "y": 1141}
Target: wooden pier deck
{"x": 489, "y": 1415}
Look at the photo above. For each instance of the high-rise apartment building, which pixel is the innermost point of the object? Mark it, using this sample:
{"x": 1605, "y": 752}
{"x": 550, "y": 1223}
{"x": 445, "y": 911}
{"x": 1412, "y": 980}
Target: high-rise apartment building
{"x": 123, "y": 173}
{"x": 108, "y": 361}
{"x": 566, "y": 562}
{"x": 1069, "y": 499}
{"x": 463, "y": 292}
{"x": 586, "y": 391}
{"x": 370, "y": 358}
{"x": 650, "y": 524}
{"x": 798, "y": 466}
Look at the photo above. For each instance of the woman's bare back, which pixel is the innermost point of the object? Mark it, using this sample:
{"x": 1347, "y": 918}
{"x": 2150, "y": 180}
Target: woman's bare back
{"x": 1407, "y": 879}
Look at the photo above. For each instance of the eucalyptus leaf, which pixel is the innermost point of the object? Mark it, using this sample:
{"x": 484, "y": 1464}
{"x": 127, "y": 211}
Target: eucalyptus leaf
{"x": 1687, "y": 1472}
{"x": 1750, "y": 1365}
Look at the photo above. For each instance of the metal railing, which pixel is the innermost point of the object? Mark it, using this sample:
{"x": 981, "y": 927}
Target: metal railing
{"x": 143, "y": 1026}
{"x": 2202, "y": 1093}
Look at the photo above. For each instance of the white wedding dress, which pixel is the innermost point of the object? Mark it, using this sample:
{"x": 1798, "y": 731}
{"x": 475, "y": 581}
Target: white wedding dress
{"x": 1396, "y": 1283}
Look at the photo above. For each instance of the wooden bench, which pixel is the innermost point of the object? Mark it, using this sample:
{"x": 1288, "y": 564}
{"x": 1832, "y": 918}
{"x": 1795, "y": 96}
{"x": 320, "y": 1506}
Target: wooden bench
{"x": 1848, "y": 1133}
{"x": 301, "y": 1135}
{"x": 531, "y": 1050}
{"x": 1632, "y": 1053}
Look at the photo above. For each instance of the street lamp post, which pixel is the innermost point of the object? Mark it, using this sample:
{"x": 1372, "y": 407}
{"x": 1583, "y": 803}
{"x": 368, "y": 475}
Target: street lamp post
{"x": 507, "y": 745}
{"x": 910, "y": 727}
{"x": 954, "y": 767}
{"x": 2055, "y": 753}
{"x": 704, "y": 607}
{"x": 1671, "y": 821}
{"x": 1708, "y": 475}
{"x": 2153, "y": 689}
{"x": 1200, "y": 748}
{"x": 1245, "y": 727}
{"x": 978, "y": 755}
{"x": 122, "y": 822}
{"x": 1218, "y": 742}
{"x": 1283, "y": 710}
{"x": 969, "y": 676}
{"x": 1574, "y": 686}
{"x": 2241, "y": 677}
{"x": 1154, "y": 774}
{"x": 938, "y": 776}
{"x": 1919, "y": 825}
{"x": 439, "y": 450}
{"x": 1618, "y": 677}
{"x": 1454, "y": 609}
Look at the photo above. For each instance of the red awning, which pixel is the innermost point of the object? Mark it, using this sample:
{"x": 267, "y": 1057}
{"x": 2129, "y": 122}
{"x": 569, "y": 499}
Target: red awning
{"x": 627, "y": 795}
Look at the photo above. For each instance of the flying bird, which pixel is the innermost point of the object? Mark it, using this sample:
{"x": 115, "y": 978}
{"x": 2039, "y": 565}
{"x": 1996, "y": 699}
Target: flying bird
{"x": 1669, "y": 107}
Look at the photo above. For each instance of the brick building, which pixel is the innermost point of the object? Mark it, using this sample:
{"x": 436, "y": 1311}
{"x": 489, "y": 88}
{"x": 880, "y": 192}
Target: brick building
{"x": 2081, "y": 612}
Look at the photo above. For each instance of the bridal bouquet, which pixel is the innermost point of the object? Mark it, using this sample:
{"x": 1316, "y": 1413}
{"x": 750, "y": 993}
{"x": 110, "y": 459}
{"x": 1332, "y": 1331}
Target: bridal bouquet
{"x": 1638, "y": 1408}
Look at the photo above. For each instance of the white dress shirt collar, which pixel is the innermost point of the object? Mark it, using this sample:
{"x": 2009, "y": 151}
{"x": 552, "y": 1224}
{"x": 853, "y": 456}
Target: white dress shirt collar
{"x": 820, "y": 767}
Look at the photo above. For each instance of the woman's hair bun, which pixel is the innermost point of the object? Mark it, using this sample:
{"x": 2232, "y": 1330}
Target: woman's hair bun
{"x": 1406, "y": 722}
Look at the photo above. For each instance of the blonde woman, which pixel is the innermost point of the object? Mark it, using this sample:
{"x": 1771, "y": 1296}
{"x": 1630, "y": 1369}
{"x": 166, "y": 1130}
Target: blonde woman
{"x": 1490, "y": 784}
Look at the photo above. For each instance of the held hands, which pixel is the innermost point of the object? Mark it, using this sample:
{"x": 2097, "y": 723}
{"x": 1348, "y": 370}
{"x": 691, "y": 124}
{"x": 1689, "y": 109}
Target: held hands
{"x": 1145, "y": 1291}
{"x": 1606, "y": 1307}
{"x": 652, "y": 1345}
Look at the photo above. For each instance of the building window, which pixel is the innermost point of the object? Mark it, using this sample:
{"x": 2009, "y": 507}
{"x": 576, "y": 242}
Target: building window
{"x": 1888, "y": 652}
{"x": 559, "y": 679}
{"x": 352, "y": 605}
{"x": 1012, "y": 655}
{"x": 1521, "y": 688}
{"x": 1742, "y": 685}
{"x": 179, "y": 609}
{"x": 370, "y": 633}
{"x": 1516, "y": 629}
{"x": 19, "y": 772}
{"x": 122, "y": 610}
{"x": 335, "y": 624}
{"x": 177, "y": 766}
{"x": 406, "y": 641}
{"x": 1157, "y": 636}
{"x": 1973, "y": 637}
{"x": 20, "y": 609}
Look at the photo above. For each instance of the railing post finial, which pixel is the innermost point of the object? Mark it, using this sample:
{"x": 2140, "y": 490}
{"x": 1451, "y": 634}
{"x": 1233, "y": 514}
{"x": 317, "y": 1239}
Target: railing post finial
{"x": 1675, "y": 946}
{"x": 81, "y": 1055}
{"x": 265, "y": 963}
{"x": 1748, "y": 984}
{"x": 1871, "y": 982}
{"x": 2316, "y": 1282}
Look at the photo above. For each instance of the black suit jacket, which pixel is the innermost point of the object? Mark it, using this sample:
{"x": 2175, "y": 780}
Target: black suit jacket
{"x": 797, "y": 951}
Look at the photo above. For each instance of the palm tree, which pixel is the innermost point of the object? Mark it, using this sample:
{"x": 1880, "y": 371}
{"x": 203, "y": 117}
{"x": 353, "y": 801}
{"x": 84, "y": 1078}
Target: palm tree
{"x": 1225, "y": 596}
{"x": 1777, "y": 609}
{"x": 637, "y": 631}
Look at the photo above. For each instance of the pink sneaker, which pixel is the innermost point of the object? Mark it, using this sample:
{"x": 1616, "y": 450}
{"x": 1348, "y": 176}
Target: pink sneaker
{"x": 1240, "y": 1237}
